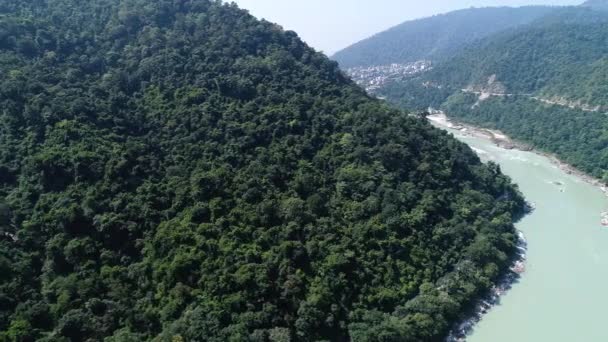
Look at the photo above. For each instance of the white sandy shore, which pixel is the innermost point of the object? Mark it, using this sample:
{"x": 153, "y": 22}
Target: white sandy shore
{"x": 499, "y": 138}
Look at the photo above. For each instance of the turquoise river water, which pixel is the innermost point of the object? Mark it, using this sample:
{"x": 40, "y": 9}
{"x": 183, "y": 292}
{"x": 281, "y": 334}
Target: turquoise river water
{"x": 563, "y": 294}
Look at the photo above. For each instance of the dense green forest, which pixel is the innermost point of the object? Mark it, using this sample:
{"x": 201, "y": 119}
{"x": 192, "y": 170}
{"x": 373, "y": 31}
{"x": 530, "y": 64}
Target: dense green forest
{"x": 436, "y": 38}
{"x": 416, "y": 94}
{"x": 564, "y": 54}
{"x": 556, "y": 70}
{"x": 579, "y": 138}
{"x": 176, "y": 170}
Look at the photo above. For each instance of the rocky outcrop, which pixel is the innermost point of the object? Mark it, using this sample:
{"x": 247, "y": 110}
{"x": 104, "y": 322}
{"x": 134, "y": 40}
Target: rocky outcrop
{"x": 492, "y": 86}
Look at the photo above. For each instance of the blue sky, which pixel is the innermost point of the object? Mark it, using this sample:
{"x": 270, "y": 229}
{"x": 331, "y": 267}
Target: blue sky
{"x": 329, "y": 25}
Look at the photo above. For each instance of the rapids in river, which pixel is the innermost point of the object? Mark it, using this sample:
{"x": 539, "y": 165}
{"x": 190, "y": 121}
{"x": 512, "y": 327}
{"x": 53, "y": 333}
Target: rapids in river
{"x": 563, "y": 294}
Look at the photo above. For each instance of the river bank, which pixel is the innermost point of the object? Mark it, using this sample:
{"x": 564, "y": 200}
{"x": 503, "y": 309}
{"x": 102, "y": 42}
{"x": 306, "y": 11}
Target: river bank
{"x": 502, "y": 140}
{"x": 560, "y": 297}
{"x": 460, "y": 332}
{"x": 518, "y": 266}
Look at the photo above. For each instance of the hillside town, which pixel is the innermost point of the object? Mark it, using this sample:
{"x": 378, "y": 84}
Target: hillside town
{"x": 374, "y": 77}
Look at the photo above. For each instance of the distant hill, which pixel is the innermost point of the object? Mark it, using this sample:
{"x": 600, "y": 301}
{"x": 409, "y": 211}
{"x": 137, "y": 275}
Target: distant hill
{"x": 561, "y": 55}
{"x": 436, "y": 38}
{"x": 544, "y": 83}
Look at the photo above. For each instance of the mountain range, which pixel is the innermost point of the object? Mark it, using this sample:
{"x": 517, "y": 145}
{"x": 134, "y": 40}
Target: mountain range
{"x": 543, "y": 82}
{"x": 435, "y": 38}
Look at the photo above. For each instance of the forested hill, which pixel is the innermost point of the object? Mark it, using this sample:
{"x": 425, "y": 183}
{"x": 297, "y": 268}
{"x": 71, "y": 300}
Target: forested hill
{"x": 544, "y": 83}
{"x": 561, "y": 56}
{"x": 436, "y": 38}
{"x": 176, "y": 170}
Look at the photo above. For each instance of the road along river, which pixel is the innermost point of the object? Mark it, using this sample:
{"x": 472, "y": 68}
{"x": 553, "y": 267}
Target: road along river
{"x": 563, "y": 293}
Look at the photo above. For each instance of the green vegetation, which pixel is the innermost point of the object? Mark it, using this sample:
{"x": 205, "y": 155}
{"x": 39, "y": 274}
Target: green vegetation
{"x": 176, "y": 170}
{"x": 579, "y": 138}
{"x": 561, "y": 58}
{"x": 562, "y": 55}
{"x": 416, "y": 94}
{"x": 436, "y": 38}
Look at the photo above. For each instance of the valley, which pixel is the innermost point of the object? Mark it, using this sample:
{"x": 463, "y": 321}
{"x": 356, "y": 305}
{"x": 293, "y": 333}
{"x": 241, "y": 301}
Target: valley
{"x": 531, "y": 98}
{"x": 542, "y": 82}
{"x": 560, "y": 296}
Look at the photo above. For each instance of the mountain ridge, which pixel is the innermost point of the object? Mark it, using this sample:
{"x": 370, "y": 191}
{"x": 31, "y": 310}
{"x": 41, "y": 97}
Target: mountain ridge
{"x": 597, "y": 4}
{"x": 527, "y": 80}
{"x": 437, "y": 37}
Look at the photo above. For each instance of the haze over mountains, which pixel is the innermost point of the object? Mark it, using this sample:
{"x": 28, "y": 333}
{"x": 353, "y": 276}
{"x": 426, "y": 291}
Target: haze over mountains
{"x": 435, "y": 38}
{"x": 597, "y": 4}
{"x": 439, "y": 37}
{"x": 543, "y": 82}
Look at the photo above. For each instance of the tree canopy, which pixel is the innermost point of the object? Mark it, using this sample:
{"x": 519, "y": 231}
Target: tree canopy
{"x": 176, "y": 170}
{"x": 436, "y": 38}
{"x": 548, "y": 80}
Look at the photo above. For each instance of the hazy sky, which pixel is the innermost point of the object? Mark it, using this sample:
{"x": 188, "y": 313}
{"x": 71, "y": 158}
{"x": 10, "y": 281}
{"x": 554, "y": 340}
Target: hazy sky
{"x": 329, "y": 25}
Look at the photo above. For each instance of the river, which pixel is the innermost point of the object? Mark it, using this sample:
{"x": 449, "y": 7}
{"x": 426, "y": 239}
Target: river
{"x": 563, "y": 294}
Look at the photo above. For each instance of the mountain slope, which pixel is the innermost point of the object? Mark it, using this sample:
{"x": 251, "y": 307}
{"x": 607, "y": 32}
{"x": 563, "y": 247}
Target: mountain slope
{"x": 527, "y": 80}
{"x": 435, "y": 38}
{"x": 556, "y": 56}
{"x": 178, "y": 170}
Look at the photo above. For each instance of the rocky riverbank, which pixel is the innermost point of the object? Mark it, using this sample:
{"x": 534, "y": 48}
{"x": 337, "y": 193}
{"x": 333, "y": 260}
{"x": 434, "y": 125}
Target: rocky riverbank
{"x": 500, "y": 139}
{"x": 465, "y": 328}
{"x": 518, "y": 266}
{"x": 495, "y": 136}
{"x": 567, "y": 218}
